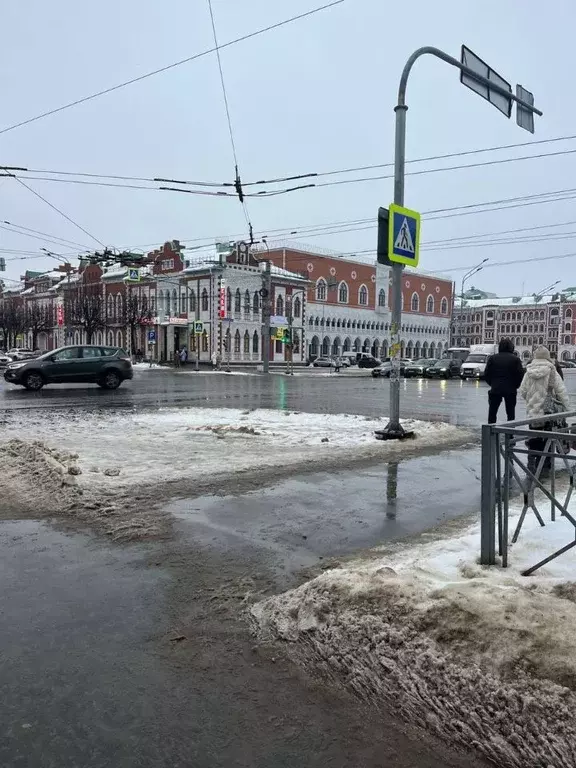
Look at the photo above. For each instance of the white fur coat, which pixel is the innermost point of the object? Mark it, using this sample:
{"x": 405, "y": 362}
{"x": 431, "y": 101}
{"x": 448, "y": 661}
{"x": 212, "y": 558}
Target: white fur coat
{"x": 534, "y": 388}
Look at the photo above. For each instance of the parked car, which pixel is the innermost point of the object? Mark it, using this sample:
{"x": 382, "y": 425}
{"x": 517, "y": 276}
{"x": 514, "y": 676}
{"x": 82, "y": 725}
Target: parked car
{"x": 4, "y": 360}
{"x": 367, "y": 361}
{"x": 444, "y": 369}
{"x": 417, "y": 368}
{"x": 567, "y": 364}
{"x": 20, "y": 353}
{"x": 383, "y": 370}
{"x": 322, "y": 362}
{"x": 106, "y": 366}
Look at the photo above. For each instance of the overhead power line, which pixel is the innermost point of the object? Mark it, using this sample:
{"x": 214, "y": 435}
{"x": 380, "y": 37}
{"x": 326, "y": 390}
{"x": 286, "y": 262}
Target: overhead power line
{"x": 174, "y": 64}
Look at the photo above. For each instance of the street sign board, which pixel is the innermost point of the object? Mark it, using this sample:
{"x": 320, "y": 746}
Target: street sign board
{"x": 524, "y": 117}
{"x": 280, "y": 332}
{"x": 133, "y": 274}
{"x": 198, "y": 327}
{"x": 151, "y": 337}
{"x": 470, "y": 60}
{"x": 403, "y": 235}
{"x": 277, "y": 320}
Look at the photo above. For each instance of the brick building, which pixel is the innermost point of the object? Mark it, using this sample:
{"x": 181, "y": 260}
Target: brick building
{"x": 348, "y": 305}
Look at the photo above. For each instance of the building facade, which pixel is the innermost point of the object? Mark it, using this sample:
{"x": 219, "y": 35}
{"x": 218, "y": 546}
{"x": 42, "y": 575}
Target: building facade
{"x": 348, "y": 305}
{"x": 529, "y": 321}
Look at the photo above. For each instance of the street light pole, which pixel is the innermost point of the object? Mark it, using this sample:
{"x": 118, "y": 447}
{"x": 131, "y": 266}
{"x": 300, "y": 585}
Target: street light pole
{"x": 266, "y": 310}
{"x": 394, "y": 429}
{"x": 473, "y": 271}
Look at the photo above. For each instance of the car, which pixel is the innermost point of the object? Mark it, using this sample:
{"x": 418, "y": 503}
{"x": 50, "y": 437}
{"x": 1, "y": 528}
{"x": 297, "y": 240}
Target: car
{"x": 5, "y": 360}
{"x": 20, "y": 353}
{"x": 384, "y": 369}
{"x": 419, "y": 367}
{"x": 444, "y": 369}
{"x": 322, "y": 362}
{"x": 367, "y": 361}
{"x": 106, "y": 366}
{"x": 567, "y": 364}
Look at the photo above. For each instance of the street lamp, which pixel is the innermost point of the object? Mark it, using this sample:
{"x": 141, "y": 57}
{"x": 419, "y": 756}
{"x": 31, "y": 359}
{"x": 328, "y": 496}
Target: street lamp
{"x": 468, "y": 274}
{"x": 485, "y": 82}
{"x": 537, "y": 297}
{"x": 290, "y": 307}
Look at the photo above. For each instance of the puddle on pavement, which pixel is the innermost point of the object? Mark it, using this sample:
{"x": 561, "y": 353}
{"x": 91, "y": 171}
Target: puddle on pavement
{"x": 327, "y": 514}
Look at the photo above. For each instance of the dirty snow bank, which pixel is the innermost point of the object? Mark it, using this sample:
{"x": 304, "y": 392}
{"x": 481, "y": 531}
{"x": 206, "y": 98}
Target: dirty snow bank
{"x": 126, "y": 450}
{"x": 39, "y": 479}
{"x": 483, "y": 657}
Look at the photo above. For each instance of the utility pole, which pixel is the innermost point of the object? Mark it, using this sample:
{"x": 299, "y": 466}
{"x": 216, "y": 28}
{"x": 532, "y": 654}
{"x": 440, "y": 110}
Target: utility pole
{"x": 266, "y": 312}
{"x": 486, "y": 83}
{"x": 473, "y": 271}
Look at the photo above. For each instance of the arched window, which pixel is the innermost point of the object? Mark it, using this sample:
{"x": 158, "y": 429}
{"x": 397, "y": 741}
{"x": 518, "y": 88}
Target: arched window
{"x": 568, "y": 326}
{"x": 237, "y": 341}
{"x": 430, "y": 304}
{"x": 175, "y": 307}
{"x": 297, "y": 307}
{"x": 184, "y": 302}
{"x": 568, "y": 313}
{"x": 247, "y": 304}
{"x": 444, "y": 306}
{"x": 204, "y": 300}
{"x": 279, "y": 306}
{"x": 363, "y": 296}
{"x": 228, "y": 301}
{"x": 321, "y": 289}
{"x": 192, "y": 300}
{"x": 237, "y": 302}
{"x": 566, "y": 339}
{"x": 415, "y": 303}
{"x": 255, "y": 342}
{"x": 343, "y": 293}
{"x": 256, "y": 304}
{"x": 381, "y": 297}
{"x": 110, "y": 303}
{"x": 246, "y": 343}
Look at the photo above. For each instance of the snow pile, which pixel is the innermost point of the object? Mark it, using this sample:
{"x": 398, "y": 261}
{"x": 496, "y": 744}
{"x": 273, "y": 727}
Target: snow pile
{"x": 149, "y": 367}
{"x": 483, "y": 656}
{"x": 126, "y": 449}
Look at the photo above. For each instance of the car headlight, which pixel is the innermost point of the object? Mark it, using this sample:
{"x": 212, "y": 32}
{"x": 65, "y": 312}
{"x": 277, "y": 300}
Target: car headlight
{"x": 13, "y": 366}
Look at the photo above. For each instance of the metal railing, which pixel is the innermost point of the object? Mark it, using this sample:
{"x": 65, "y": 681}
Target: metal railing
{"x": 521, "y": 461}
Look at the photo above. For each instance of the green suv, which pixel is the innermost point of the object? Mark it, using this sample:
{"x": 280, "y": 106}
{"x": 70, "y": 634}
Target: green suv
{"x": 105, "y": 366}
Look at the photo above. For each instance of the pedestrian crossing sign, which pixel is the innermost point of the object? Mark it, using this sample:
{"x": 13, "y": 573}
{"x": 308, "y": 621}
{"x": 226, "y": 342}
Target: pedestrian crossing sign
{"x": 403, "y": 235}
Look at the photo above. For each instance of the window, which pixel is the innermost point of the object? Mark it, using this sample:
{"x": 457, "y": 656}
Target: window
{"x": 204, "y": 342}
{"x": 228, "y": 301}
{"x": 381, "y": 297}
{"x": 192, "y": 300}
{"x": 109, "y": 351}
{"x": 297, "y": 307}
{"x": 247, "y": 305}
{"x": 415, "y": 303}
{"x": 363, "y": 296}
{"x": 237, "y": 302}
{"x": 343, "y": 293}
{"x": 91, "y": 352}
{"x": 204, "y": 300}
{"x": 237, "y": 341}
{"x": 280, "y": 306}
{"x": 321, "y": 290}
{"x": 430, "y": 304}
{"x": 566, "y": 339}
{"x": 70, "y": 353}
{"x": 444, "y": 307}
{"x": 175, "y": 307}
{"x": 184, "y": 303}
{"x": 256, "y": 304}
{"x": 568, "y": 313}
{"x": 278, "y": 347}
{"x": 255, "y": 342}
{"x": 167, "y": 264}
{"x": 246, "y": 343}
{"x": 568, "y": 326}
{"x": 110, "y": 304}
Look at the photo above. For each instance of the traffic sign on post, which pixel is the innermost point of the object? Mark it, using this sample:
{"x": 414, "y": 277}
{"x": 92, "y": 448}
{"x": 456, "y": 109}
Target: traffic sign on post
{"x": 198, "y": 327}
{"x": 481, "y": 87}
{"x": 524, "y": 117}
{"x": 133, "y": 274}
{"x": 151, "y": 337}
{"x": 403, "y": 235}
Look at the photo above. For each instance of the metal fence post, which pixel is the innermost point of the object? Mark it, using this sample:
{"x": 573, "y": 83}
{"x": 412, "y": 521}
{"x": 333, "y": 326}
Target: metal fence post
{"x": 488, "y": 498}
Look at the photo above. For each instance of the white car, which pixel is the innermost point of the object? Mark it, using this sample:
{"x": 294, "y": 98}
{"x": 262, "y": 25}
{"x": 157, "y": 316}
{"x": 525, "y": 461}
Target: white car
{"x": 4, "y": 360}
{"x": 20, "y": 353}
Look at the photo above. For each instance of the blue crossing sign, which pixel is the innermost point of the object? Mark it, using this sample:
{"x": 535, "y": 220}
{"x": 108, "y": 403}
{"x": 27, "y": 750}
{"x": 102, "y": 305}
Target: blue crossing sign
{"x": 403, "y": 235}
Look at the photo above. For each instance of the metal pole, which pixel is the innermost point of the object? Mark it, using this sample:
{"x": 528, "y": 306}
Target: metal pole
{"x": 197, "y": 316}
{"x": 487, "y": 502}
{"x": 266, "y": 310}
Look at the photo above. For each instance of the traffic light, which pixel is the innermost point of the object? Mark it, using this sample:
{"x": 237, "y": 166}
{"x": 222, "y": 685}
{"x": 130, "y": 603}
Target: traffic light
{"x": 288, "y": 336}
{"x": 382, "y": 251}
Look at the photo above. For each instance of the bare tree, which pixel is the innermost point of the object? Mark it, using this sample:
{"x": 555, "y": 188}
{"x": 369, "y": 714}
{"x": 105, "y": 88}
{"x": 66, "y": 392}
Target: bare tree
{"x": 37, "y": 318}
{"x": 12, "y": 320}
{"x": 137, "y": 313}
{"x": 84, "y": 307}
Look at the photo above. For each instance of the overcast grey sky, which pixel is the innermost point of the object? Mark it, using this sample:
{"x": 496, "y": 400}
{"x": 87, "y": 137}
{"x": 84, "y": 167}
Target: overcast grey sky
{"x": 316, "y": 95}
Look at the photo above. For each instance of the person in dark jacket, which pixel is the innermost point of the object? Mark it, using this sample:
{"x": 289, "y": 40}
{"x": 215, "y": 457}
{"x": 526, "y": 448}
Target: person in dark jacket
{"x": 504, "y": 375}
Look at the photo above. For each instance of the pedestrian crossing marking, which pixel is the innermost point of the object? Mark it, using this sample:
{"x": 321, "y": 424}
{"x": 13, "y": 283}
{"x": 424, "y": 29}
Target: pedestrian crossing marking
{"x": 404, "y": 240}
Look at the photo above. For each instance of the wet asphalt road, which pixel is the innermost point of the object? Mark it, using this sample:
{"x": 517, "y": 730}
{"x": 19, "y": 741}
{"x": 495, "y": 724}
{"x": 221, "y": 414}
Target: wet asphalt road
{"x": 456, "y": 401}
{"x": 139, "y": 657}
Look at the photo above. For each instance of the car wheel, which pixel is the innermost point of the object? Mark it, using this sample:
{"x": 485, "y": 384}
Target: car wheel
{"x": 33, "y": 381}
{"x": 110, "y": 380}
